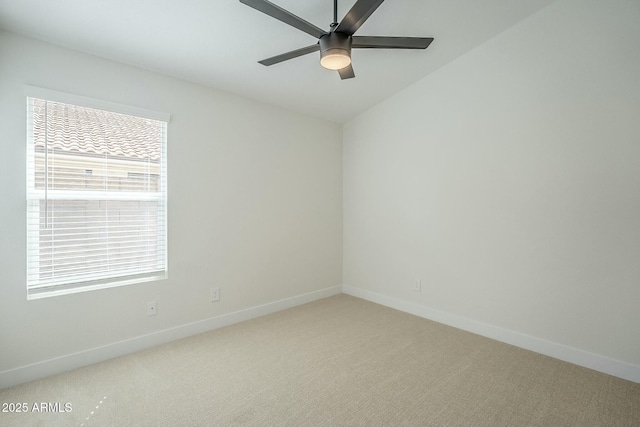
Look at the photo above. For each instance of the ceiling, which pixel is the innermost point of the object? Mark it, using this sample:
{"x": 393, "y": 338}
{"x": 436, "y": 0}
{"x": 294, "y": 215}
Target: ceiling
{"x": 217, "y": 43}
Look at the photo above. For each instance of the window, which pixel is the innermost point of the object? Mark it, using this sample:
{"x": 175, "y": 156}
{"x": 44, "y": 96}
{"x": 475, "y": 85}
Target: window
{"x": 96, "y": 194}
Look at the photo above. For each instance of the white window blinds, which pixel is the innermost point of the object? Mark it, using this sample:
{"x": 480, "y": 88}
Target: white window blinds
{"x": 96, "y": 198}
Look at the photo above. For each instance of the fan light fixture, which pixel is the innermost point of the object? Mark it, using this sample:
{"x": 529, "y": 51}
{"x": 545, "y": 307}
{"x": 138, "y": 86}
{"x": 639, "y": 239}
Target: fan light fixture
{"x": 335, "y": 51}
{"x": 335, "y": 59}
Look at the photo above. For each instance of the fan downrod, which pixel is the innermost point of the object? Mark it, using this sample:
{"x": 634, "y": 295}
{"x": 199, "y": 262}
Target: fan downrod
{"x": 335, "y": 22}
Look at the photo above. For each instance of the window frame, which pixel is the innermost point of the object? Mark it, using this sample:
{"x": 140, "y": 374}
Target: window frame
{"x": 34, "y": 195}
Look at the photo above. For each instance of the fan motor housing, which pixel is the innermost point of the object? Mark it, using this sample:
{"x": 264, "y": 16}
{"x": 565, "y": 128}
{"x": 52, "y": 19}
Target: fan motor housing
{"x": 335, "y": 50}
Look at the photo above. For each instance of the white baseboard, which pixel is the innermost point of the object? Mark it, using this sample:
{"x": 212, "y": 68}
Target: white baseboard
{"x": 576, "y": 356}
{"x": 67, "y": 362}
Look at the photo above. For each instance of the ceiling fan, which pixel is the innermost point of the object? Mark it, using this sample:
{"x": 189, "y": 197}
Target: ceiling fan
{"x": 335, "y": 45}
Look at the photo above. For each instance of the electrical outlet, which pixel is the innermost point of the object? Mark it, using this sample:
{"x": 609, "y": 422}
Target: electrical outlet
{"x": 152, "y": 308}
{"x": 214, "y": 294}
{"x": 417, "y": 285}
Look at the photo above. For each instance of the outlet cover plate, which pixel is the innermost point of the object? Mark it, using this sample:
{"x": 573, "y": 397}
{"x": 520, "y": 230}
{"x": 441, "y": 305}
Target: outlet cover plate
{"x": 214, "y": 294}
{"x": 152, "y": 308}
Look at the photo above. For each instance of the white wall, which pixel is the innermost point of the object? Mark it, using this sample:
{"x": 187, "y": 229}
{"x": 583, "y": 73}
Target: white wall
{"x": 255, "y": 207}
{"x": 509, "y": 182}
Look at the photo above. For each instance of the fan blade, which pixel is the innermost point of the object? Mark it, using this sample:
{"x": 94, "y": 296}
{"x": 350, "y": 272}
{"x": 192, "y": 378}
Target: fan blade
{"x": 347, "y": 72}
{"x": 290, "y": 55}
{"x": 357, "y": 15}
{"x": 285, "y": 16}
{"x": 372, "y": 42}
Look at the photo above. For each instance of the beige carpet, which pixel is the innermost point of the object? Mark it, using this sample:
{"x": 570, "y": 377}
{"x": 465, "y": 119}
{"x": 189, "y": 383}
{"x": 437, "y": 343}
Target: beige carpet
{"x": 340, "y": 361}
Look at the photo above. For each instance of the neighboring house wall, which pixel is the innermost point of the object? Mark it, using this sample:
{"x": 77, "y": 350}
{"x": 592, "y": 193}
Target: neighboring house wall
{"x": 508, "y": 181}
{"x": 255, "y": 208}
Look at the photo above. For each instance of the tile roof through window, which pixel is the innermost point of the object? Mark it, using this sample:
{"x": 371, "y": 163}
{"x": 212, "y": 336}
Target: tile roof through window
{"x": 85, "y": 131}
